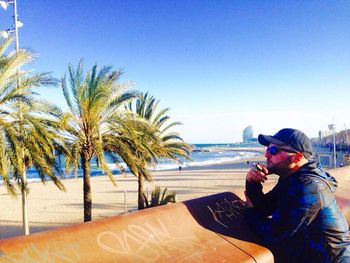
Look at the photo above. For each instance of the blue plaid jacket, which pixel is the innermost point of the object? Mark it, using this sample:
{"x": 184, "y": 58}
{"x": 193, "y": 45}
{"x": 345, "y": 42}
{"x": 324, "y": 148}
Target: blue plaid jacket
{"x": 299, "y": 219}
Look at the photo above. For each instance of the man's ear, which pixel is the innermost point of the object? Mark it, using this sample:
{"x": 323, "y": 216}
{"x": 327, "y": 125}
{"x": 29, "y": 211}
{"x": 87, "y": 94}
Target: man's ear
{"x": 298, "y": 157}
{"x": 295, "y": 158}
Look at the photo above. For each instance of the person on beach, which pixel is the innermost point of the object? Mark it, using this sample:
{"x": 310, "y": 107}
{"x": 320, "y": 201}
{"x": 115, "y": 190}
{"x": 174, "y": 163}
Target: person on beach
{"x": 299, "y": 219}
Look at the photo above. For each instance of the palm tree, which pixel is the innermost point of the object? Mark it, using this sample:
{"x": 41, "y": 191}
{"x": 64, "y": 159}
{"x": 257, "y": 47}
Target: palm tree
{"x": 159, "y": 198}
{"x": 93, "y": 100}
{"x": 172, "y": 145}
{"x": 159, "y": 142}
{"x": 27, "y": 134}
{"x": 135, "y": 146}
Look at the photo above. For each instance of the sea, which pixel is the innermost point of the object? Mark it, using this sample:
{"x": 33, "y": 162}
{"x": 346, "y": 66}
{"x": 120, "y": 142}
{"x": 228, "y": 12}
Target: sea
{"x": 201, "y": 156}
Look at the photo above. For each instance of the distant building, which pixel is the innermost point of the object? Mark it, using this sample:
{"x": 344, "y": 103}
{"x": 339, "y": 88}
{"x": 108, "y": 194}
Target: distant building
{"x": 248, "y": 134}
{"x": 323, "y": 134}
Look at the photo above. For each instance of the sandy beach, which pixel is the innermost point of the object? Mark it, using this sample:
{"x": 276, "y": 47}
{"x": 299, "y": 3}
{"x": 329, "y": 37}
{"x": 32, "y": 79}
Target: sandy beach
{"x": 51, "y": 208}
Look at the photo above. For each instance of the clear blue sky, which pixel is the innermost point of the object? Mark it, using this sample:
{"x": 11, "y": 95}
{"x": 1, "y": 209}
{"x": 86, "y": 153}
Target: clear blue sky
{"x": 219, "y": 65}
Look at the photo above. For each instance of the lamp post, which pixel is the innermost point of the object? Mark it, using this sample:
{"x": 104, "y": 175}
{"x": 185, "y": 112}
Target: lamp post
{"x": 6, "y": 34}
{"x": 331, "y": 127}
{"x": 16, "y": 23}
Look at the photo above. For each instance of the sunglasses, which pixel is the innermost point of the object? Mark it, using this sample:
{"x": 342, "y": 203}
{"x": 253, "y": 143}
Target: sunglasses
{"x": 273, "y": 150}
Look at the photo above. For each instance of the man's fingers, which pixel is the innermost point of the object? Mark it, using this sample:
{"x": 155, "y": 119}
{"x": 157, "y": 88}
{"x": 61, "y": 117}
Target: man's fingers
{"x": 255, "y": 176}
{"x": 252, "y": 176}
{"x": 265, "y": 170}
{"x": 261, "y": 168}
{"x": 260, "y": 176}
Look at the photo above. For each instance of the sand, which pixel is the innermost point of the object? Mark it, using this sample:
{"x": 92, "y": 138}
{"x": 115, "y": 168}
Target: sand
{"x": 51, "y": 208}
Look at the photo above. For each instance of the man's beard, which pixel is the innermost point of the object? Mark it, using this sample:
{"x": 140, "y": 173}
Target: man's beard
{"x": 279, "y": 168}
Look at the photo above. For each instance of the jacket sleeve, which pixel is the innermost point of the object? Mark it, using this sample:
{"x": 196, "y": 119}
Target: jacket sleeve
{"x": 300, "y": 208}
{"x": 264, "y": 203}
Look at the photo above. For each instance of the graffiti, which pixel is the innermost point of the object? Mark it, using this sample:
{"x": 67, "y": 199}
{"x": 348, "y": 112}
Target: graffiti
{"x": 150, "y": 243}
{"x": 226, "y": 210}
{"x": 65, "y": 253}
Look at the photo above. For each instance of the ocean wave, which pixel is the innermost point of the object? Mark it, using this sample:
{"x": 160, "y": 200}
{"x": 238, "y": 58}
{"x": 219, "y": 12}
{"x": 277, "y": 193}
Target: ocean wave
{"x": 170, "y": 165}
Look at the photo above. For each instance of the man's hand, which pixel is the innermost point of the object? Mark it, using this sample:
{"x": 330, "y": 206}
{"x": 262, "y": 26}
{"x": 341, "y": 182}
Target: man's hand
{"x": 258, "y": 174}
{"x": 248, "y": 202}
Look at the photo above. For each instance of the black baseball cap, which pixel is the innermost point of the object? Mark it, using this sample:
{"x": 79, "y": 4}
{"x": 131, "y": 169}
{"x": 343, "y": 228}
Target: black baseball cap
{"x": 292, "y": 137}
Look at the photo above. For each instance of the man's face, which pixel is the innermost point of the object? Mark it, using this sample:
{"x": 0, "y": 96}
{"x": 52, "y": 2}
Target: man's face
{"x": 278, "y": 161}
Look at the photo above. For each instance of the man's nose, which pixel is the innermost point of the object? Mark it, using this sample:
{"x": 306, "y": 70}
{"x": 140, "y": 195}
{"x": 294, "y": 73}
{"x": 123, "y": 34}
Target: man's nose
{"x": 267, "y": 154}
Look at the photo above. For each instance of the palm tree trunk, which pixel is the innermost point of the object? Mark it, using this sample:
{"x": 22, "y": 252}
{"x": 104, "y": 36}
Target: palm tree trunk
{"x": 86, "y": 188}
{"x": 141, "y": 203}
{"x": 24, "y": 204}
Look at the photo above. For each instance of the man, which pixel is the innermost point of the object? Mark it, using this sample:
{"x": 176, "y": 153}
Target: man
{"x": 299, "y": 219}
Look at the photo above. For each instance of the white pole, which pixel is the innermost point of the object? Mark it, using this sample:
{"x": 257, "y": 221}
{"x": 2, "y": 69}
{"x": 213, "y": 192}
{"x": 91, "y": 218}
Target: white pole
{"x": 347, "y": 137}
{"x": 334, "y": 150}
{"x": 24, "y": 175}
{"x": 15, "y": 18}
{"x": 331, "y": 127}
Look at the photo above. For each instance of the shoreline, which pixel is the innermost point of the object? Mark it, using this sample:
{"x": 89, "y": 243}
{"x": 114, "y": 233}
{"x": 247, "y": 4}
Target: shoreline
{"x": 238, "y": 163}
{"x": 236, "y": 149}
